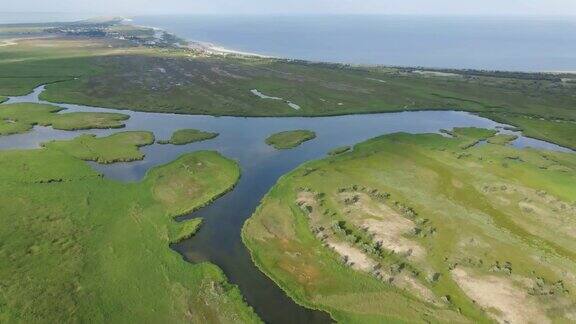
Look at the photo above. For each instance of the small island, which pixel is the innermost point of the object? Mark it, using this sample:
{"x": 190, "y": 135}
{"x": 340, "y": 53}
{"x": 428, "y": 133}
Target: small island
{"x": 119, "y": 147}
{"x": 187, "y": 136}
{"x": 20, "y": 118}
{"x": 290, "y": 139}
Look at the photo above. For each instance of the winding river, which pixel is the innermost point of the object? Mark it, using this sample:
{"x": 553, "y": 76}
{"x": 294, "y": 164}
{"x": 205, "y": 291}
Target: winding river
{"x": 242, "y": 139}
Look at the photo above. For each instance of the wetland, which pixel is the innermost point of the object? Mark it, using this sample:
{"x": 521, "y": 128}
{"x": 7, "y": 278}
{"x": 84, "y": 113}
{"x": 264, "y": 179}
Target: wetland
{"x": 218, "y": 239}
{"x": 251, "y": 189}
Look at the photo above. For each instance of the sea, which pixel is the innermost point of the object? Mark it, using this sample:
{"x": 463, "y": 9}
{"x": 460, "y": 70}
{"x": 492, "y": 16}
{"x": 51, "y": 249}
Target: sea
{"x": 511, "y": 43}
{"x": 462, "y": 42}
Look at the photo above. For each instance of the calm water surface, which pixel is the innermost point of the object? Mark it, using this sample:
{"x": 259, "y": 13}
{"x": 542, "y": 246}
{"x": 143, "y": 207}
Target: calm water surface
{"x": 492, "y": 43}
{"x": 242, "y": 139}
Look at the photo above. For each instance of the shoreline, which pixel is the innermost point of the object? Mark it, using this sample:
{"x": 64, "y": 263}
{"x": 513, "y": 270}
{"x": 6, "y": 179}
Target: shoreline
{"x": 216, "y": 49}
{"x": 208, "y": 47}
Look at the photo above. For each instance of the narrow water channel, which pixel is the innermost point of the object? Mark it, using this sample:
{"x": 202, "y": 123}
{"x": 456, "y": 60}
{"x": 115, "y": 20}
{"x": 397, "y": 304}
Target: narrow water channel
{"x": 242, "y": 139}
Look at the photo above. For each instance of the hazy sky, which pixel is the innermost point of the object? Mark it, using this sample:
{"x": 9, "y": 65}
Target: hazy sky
{"x": 438, "y": 7}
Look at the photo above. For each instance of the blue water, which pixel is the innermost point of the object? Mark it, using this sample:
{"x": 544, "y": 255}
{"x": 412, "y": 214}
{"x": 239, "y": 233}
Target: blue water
{"x": 521, "y": 44}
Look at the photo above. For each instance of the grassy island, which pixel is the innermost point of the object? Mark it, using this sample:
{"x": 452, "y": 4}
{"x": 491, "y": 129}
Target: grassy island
{"x": 290, "y": 139}
{"x": 20, "y": 118}
{"x": 77, "y": 247}
{"x": 187, "y": 136}
{"x": 410, "y": 228}
{"x": 119, "y": 147}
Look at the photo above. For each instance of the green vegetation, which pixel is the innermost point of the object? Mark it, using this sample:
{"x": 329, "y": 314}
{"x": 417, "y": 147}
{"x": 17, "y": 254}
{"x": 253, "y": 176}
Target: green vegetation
{"x": 111, "y": 72}
{"x": 502, "y": 139}
{"x": 425, "y": 228}
{"x": 187, "y": 136}
{"x": 119, "y": 147}
{"x": 403, "y": 228}
{"x": 470, "y": 136}
{"x": 561, "y": 132}
{"x": 77, "y": 247}
{"x": 30, "y": 63}
{"x": 290, "y": 139}
{"x": 187, "y": 230}
{"x": 21, "y": 117}
{"x": 339, "y": 150}
{"x": 222, "y": 86}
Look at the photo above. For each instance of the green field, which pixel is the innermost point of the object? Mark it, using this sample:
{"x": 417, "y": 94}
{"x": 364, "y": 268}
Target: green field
{"x": 222, "y": 86}
{"x": 187, "y": 136}
{"x": 425, "y": 228}
{"x": 77, "y": 247}
{"x": 21, "y": 117}
{"x": 290, "y": 139}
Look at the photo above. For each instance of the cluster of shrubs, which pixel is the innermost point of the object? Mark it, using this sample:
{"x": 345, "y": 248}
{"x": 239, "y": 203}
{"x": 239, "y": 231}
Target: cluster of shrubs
{"x": 405, "y": 210}
{"x": 543, "y": 288}
{"x": 352, "y": 200}
{"x": 505, "y": 268}
{"x": 496, "y": 188}
{"x": 434, "y": 277}
{"x": 375, "y": 249}
{"x": 422, "y": 228}
{"x": 361, "y": 237}
{"x": 373, "y": 193}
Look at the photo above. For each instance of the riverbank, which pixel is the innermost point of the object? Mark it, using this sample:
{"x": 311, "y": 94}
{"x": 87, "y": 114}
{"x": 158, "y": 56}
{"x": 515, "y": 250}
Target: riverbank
{"x": 355, "y": 236}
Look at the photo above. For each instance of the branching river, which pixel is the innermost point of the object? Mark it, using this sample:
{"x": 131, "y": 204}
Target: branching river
{"x": 242, "y": 139}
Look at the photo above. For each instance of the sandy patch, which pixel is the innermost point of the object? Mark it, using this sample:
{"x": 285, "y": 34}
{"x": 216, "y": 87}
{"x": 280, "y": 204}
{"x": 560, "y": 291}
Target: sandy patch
{"x": 412, "y": 285}
{"x": 388, "y": 227}
{"x": 218, "y": 50}
{"x": 390, "y": 231}
{"x": 306, "y": 198}
{"x": 500, "y": 298}
{"x": 436, "y": 73}
{"x": 355, "y": 257}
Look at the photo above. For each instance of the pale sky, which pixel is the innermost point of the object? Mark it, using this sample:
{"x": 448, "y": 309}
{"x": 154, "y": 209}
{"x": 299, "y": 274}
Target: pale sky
{"x": 434, "y": 7}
